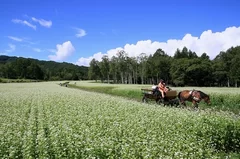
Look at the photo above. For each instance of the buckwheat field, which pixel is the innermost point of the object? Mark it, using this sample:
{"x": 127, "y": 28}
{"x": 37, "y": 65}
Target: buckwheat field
{"x": 44, "y": 120}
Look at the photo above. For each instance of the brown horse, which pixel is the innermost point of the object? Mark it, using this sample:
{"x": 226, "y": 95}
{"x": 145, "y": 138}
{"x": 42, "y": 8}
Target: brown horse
{"x": 194, "y": 96}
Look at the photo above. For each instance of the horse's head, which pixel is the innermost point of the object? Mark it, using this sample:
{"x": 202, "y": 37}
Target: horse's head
{"x": 207, "y": 99}
{"x": 199, "y": 95}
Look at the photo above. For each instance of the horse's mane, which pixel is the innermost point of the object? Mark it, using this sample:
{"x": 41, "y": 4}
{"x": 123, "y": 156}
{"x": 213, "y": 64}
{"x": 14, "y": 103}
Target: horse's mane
{"x": 203, "y": 94}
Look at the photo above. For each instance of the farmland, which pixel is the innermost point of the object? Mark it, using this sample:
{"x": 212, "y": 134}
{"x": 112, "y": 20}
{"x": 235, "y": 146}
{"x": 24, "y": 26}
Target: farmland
{"x": 44, "y": 120}
{"x": 222, "y": 98}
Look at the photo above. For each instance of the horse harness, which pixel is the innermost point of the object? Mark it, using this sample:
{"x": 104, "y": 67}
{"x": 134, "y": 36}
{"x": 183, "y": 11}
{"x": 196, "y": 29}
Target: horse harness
{"x": 193, "y": 94}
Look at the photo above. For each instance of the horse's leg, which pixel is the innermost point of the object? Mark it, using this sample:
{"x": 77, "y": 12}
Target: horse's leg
{"x": 195, "y": 104}
{"x": 176, "y": 102}
{"x": 182, "y": 101}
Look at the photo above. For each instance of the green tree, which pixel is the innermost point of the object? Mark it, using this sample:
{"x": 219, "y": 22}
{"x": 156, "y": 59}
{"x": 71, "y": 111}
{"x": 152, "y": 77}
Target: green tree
{"x": 220, "y": 71}
{"x": 199, "y": 72}
{"x": 142, "y": 60}
{"x": 113, "y": 68}
{"x": 178, "y": 71}
{"x": 122, "y": 65}
{"x": 235, "y": 65}
{"x": 104, "y": 66}
{"x": 161, "y": 62}
{"x": 94, "y": 70}
{"x": 131, "y": 69}
{"x": 205, "y": 56}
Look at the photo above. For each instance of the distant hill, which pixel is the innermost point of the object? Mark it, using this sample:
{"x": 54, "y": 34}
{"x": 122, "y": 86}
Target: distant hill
{"x": 28, "y": 68}
{"x": 4, "y": 59}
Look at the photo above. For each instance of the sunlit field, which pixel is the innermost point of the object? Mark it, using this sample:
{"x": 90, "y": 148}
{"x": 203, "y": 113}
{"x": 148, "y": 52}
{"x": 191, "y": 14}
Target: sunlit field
{"x": 208, "y": 90}
{"x": 45, "y": 120}
{"x": 221, "y": 98}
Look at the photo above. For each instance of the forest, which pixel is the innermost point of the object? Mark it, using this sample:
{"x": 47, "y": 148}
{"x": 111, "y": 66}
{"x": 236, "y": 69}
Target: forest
{"x": 27, "y": 68}
{"x": 184, "y": 68}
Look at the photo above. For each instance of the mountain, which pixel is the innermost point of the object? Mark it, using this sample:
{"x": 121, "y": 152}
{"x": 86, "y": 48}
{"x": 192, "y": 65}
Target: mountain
{"x": 27, "y": 68}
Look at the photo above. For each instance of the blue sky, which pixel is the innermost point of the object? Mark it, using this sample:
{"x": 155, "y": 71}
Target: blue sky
{"x": 78, "y": 30}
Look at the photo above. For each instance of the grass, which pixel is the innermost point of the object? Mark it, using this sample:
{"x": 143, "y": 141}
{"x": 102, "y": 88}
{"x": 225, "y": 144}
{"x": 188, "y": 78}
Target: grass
{"x": 226, "y": 99}
{"x": 112, "y": 90}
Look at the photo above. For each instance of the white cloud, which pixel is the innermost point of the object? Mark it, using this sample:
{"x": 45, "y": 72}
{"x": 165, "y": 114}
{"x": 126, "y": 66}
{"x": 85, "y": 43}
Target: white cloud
{"x": 85, "y": 61}
{"x": 24, "y": 22}
{"x": 208, "y": 42}
{"x": 80, "y": 32}
{"x": 11, "y": 48}
{"x": 43, "y": 22}
{"x": 15, "y": 38}
{"x": 24, "y": 40}
{"x": 63, "y": 51}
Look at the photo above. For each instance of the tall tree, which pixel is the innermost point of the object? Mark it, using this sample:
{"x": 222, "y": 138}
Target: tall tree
{"x": 178, "y": 71}
{"x": 142, "y": 60}
{"x": 199, "y": 72}
{"x": 105, "y": 67}
{"x": 235, "y": 65}
{"x": 205, "y": 56}
{"x": 177, "y": 54}
{"x": 220, "y": 71}
{"x": 113, "y": 68}
{"x": 122, "y": 67}
{"x": 161, "y": 63}
{"x": 94, "y": 70}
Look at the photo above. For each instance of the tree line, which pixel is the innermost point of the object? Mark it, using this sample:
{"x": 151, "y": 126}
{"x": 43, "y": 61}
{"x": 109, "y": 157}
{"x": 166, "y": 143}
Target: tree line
{"x": 27, "y": 68}
{"x": 185, "y": 68}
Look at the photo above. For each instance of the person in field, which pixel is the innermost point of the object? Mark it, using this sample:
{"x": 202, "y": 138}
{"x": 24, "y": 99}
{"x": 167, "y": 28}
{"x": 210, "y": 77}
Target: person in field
{"x": 162, "y": 87}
